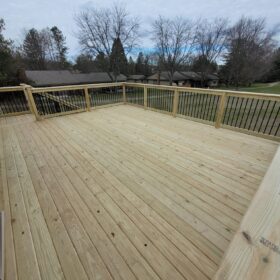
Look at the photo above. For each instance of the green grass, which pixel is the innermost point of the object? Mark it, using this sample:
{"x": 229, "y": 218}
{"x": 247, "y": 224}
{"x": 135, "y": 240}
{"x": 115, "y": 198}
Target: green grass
{"x": 259, "y": 87}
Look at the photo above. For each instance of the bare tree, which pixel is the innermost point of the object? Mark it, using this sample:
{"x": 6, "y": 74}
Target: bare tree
{"x": 34, "y": 50}
{"x": 174, "y": 42}
{"x": 44, "y": 49}
{"x": 210, "y": 43}
{"x": 250, "y": 49}
{"x": 98, "y": 28}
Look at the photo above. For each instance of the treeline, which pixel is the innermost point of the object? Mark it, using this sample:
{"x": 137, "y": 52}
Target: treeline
{"x": 241, "y": 53}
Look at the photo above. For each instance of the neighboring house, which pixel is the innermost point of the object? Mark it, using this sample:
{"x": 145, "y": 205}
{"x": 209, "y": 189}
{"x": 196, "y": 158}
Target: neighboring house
{"x": 192, "y": 79}
{"x": 65, "y": 77}
{"x": 137, "y": 79}
{"x": 212, "y": 80}
{"x": 163, "y": 78}
{"x": 183, "y": 78}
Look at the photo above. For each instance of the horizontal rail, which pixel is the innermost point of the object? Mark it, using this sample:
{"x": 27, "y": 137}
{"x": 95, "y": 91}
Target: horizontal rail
{"x": 11, "y": 89}
{"x": 179, "y": 88}
{"x": 63, "y": 88}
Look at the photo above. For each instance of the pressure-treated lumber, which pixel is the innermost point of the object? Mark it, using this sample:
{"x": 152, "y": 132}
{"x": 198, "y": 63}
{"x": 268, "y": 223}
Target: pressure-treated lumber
{"x": 124, "y": 193}
{"x": 254, "y": 252}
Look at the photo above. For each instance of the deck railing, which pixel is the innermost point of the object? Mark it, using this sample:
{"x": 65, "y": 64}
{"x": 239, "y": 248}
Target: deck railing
{"x": 13, "y": 101}
{"x": 253, "y": 113}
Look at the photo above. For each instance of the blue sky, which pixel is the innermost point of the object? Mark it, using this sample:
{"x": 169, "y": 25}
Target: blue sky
{"x": 20, "y": 15}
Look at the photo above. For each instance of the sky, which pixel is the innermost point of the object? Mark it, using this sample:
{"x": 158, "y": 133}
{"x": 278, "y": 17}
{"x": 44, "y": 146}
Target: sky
{"x": 21, "y": 15}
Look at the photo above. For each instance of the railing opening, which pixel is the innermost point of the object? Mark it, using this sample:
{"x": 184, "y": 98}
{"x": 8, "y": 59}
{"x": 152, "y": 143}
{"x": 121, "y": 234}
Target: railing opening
{"x": 58, "y": 102}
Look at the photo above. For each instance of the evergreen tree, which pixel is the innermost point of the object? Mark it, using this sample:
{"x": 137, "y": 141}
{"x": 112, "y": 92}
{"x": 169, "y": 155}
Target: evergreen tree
{"x": 85, "y": 63}
{"x": 60, "y": 47}
{"x": 131, "y": 66}
{"x": 274, "y": 74}
{"x": 118, "y": 60}
{"x": 102, "y": 62}
{"x": 6, "y": 57}
{"x": 147, "y": 66}
{"x": 139, "y": 67}
{"x": 204, "y": 66}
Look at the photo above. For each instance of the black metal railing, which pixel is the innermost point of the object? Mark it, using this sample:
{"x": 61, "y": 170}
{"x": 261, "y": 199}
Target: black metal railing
{"x": 199, "y": 106}
{"x": 12, "y": 102}
{"x": 258, "y": 115}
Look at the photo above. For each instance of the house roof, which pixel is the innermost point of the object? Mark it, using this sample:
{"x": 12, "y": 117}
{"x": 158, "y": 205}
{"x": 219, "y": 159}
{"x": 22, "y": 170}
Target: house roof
{"x": 191, "y": 75}
{"x": 136, "y": 77}
{"x": 66, "y": 77}
{"x": 182, "y": 75}
{"x": 212, "y": 77}
{"x": 164, "y": 76}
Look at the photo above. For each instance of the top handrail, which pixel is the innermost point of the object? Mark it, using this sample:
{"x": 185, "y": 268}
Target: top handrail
{"x": 211, "y": 91}
{"x": 75, "y": 87}
{"x": 13, "y": 88}
{"x": 218, "y": 92}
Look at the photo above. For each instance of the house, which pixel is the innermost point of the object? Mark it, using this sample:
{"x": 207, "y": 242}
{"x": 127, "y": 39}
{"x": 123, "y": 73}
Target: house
{"x": 163, "y": 78}
{"x": 183, "y": 78}
{"x": 39, "y": 78}
{"x": 212, "y": 80}
{"x": 192, "y": 79}
{"x": 137, "y": 79}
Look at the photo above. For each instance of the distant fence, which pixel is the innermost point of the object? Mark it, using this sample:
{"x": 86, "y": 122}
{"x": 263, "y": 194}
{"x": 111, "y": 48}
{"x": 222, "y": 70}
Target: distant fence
{"x": 253, "y": 113}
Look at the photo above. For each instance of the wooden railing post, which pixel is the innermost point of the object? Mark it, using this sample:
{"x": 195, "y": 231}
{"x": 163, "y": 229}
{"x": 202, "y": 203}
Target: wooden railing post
{"x": 124, "y": 93}
{"x": 221, "y": 110}
{"x": 87, "y": 98}
{"x": 26, "y": 97}
{"x": 32, "y": 105}
{"x": 145, "y": 97}
{"x": 175, "y": 102}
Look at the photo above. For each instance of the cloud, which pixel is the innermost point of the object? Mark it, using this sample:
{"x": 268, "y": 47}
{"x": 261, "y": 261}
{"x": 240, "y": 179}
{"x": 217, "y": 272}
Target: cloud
{"x": 26, "y": 14}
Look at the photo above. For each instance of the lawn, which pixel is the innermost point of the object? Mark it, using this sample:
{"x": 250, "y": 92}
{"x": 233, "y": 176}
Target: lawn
{"x": 259, "y": 87}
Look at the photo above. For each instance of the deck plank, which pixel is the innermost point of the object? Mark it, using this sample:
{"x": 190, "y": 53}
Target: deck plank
{"x": 45, "y": 252}
{"x": 147, "y": 228}
{"x": 70, "y": 239}
{"x": 10, "y": 268}
{"x": 124, "y": 193}
{"x": 27, "y": 267}
{"x": 68, "y": 182}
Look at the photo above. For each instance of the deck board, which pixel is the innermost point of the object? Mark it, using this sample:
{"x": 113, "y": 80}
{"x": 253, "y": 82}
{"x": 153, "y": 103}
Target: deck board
{"x": 124, "y": 193}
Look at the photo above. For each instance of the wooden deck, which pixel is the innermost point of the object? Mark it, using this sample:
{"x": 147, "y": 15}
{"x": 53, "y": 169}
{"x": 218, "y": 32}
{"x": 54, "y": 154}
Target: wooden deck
{"x": 123, "y": 193}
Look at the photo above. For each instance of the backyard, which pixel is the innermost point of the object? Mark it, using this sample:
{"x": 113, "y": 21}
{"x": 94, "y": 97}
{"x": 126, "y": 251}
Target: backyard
{"x": 259, "y": 87}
